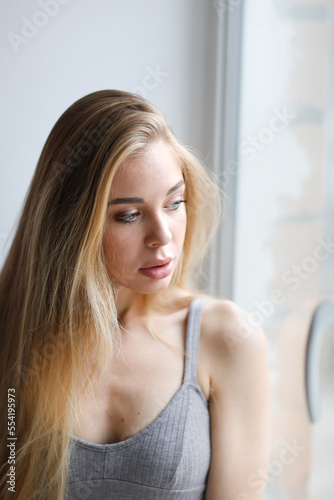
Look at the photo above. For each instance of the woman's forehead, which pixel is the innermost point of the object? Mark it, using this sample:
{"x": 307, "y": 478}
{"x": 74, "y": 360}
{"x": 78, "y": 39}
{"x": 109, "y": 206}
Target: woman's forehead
{"x": 157, "y": 166}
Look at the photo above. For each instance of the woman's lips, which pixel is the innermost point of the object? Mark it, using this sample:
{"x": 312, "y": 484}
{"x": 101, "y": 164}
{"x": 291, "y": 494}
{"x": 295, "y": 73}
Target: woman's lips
{"x": 158, "y": 273}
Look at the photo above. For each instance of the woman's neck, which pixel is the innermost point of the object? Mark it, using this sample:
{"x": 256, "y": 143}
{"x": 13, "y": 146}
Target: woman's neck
{"x": 131, "y": 304}
{"x": 124, "y": 300}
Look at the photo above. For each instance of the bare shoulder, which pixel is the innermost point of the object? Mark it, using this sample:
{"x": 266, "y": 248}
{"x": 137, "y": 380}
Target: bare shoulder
{"x": 239, "y": 403}
{"x": 231, "y": 338}
{"x": 229, "y": 327}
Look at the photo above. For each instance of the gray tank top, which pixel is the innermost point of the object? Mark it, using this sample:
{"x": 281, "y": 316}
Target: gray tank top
{"x": 168, "y": 459}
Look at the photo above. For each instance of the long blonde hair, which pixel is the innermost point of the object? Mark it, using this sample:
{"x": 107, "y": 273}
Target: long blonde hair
{"x": 58, "y": 320}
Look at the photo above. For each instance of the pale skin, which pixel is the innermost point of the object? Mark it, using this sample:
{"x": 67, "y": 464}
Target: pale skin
{"x": 148, "y": 193}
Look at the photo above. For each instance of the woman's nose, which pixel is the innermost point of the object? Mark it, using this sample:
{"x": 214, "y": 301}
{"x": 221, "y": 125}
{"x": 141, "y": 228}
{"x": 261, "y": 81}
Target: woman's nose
{"x": 158, "y": 232}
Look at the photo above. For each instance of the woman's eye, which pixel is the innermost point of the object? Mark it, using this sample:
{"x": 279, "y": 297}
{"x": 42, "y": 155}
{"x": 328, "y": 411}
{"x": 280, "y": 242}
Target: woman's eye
{"x": 126, "y": 218}
{"x": 132, "y": 217}
{"x": 176, "y": 204}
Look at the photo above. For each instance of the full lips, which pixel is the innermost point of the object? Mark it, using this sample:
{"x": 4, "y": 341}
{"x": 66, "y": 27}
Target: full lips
{"x": 158, "y": 273}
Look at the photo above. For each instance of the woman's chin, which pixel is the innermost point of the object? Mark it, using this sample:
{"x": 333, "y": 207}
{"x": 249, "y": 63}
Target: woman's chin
{"x": 155, "y": 286}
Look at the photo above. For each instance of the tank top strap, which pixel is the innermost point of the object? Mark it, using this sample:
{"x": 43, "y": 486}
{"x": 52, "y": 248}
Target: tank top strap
{"x": 193, "y": 335}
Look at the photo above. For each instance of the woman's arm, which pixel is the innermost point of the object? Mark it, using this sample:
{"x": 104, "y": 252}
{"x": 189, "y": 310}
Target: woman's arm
{"x": 239, "y": 405}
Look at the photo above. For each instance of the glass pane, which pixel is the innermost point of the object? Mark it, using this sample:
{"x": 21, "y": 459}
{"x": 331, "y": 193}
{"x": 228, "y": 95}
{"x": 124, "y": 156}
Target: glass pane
{"x": 284, "y": 264}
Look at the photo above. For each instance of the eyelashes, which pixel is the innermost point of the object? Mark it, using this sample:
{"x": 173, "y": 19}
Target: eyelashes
{"x": 176, "y": 204}
{"x": 128, "y": 218}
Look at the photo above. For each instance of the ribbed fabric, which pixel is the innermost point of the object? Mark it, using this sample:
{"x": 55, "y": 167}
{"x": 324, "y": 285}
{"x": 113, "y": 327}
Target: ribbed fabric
{"x": 168, "y": 459}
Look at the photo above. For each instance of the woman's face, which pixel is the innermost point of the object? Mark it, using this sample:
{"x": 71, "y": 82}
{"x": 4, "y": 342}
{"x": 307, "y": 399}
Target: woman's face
{"x": 146, "y": 220}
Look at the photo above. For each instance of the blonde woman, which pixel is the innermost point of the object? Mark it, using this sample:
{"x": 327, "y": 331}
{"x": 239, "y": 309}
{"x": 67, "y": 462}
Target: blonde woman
{"x": 126, "y": 382}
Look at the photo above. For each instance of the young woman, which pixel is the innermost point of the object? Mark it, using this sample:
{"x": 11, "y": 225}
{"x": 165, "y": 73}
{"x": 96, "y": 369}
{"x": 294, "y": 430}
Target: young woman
{"x": 124, "y": 381}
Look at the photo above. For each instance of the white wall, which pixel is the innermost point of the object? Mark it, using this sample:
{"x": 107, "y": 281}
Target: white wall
{"x": 84, "y": 46}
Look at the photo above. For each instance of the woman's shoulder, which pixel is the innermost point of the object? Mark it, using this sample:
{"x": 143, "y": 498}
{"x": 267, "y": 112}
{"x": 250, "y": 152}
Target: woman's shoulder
{"x": 228, "y": 329}
{"x": 235, "y": 347}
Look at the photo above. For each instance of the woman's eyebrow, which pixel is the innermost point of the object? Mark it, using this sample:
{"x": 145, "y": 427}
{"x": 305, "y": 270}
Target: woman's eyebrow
{"x": 119, "y": 201}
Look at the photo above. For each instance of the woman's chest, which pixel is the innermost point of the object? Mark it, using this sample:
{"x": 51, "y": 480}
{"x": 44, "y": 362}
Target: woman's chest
{"x": 139, "y": 385}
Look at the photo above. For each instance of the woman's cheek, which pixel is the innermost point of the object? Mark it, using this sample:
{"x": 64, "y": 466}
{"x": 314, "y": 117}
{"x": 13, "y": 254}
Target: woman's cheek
{"x": 126, "y": 248}
{"x": 182, "y": 227}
